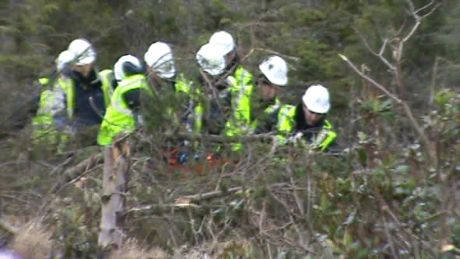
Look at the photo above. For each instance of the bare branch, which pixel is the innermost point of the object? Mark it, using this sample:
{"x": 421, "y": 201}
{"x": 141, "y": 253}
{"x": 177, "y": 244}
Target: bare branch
{"x": 370, "y": 80}
{"x": 160, "y": 208}
{"x": 417, "y": 17}
{"x": 412, "y": 31}
{"x": 427, "y": 143}
{"x": 432, "y": 10}
{"x": 382, "y": 49}
{"x": 186, "y": 201}
{"x": 429, "y": 146}
{"x": 210, "y": 195}
{"x": 411, "y": 6}
{"x": 297, "y": 199}
{"x": 380, "y": 53}
{"x": 296, "y": 59}
{"x": 425, "y": 7}
{"x": 389, "y": 238}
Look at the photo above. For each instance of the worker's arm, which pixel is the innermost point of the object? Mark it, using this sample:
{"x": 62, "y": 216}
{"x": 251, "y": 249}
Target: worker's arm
{"x": 133, "y": 100}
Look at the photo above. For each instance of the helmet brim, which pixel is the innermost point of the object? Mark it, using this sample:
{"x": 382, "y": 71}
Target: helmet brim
{"x": 85, "y": 61}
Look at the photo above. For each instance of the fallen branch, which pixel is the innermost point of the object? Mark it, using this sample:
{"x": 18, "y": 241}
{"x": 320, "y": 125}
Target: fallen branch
{"x": 7, "y": 228}
{"x": 208, "y": 195}
{"x": 76, "y": 171}
{"x": 185, "y": 202}
{"x": 160, "y": 208}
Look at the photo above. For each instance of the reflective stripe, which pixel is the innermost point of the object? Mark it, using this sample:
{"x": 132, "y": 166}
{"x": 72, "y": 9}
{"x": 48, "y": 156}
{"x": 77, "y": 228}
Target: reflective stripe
{"x": 286, "y": 123}
{"x": 198, "y": 118}
{"x": 241, "y": 88}
{"x": 328, "y": 137}
{"x": 231, "y": 80}
{"x": 286, "y": 119}
{"x": 107, "y": 78}
{"x": 118, "y": 103}
{"x": 52, "y": 102}
{"x": 331, "y": 136}
{"x": 68, "y": 86}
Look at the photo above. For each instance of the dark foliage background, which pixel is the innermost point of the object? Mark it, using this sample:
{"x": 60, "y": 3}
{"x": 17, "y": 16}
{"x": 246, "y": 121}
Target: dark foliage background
{"x": 384, "y": 197}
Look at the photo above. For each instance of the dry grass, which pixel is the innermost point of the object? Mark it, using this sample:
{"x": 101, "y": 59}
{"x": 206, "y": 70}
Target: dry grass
{"x": 225, "y": 249}
{"x": 32, "y": 241}
{"x": 132, "y": 250}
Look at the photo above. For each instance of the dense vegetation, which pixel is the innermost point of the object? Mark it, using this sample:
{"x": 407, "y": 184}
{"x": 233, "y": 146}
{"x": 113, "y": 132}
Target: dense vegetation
{"x": 393, "y": 192}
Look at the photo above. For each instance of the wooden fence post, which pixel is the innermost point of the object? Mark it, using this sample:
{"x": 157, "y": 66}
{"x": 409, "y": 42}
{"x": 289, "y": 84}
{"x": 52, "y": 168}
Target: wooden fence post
{"x": 114, "y": 187}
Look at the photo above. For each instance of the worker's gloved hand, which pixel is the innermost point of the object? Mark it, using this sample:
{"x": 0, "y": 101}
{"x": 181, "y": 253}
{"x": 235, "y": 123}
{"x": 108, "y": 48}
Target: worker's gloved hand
{"x": 198, "y": 155}
{"x": 182, "y": 158}
{"x": 295, "y": 139}
{"x": 139, "y": 120}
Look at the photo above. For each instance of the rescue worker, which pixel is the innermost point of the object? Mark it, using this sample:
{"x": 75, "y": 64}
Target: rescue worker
{"x": 171, "y": 90}
{"x": 174, "y": 99}
{"x": 250, "y": 104}
{"x": 51, "y": 103}
{"x": 87, "y": 92}
{"x": 306, "y": 123}
{"x": 266, "y": 104}
{"x": 216, "y": 87}
{"x": 215, "y": 105}
{"x": 123, "y": 114}
{"x": 240, "y": 86}
{"x": 255, "y": 102}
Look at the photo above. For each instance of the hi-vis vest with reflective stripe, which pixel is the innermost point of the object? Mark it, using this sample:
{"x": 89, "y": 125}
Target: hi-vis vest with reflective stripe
{"x": 194, "y": 108}
{"x": 68, "y": 86}
{"x": 118, "y": 117}
{"x": 51, "y": 102}
{"x": 268, "y": 113}
{"x": 241, "y": 88}
{"x": 323, "y": 139}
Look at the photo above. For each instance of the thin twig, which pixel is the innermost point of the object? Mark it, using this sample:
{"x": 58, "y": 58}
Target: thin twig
{"x": 417, "y": 17}
{"x": 369, "y": 79}
{"x": 79, "y": 169}
{"x": 427, "y": 143}
{"x": 381, "y": 52}
{"x": 296, "y": 59}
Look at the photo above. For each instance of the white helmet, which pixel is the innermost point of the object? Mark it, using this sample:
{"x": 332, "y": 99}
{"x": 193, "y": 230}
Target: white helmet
{"x": 211, "y": 58}
{"x": 64, "y": 58}
{"x": 160, "y": 58}
{"x": 275, "y": 70}
{"x": 119, "y": 67}
{"x": 224, "y": 39}
{"x": 316, "y": 99}
{"x": 83, "y": 51}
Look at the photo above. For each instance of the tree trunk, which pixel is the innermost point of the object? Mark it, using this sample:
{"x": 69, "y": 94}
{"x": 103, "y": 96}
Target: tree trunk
{"x": 114, "y": 185}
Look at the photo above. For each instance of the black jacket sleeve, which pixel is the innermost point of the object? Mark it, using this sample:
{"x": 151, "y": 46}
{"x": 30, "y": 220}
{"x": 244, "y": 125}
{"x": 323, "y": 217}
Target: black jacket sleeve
{"x": 132, "y": 98}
